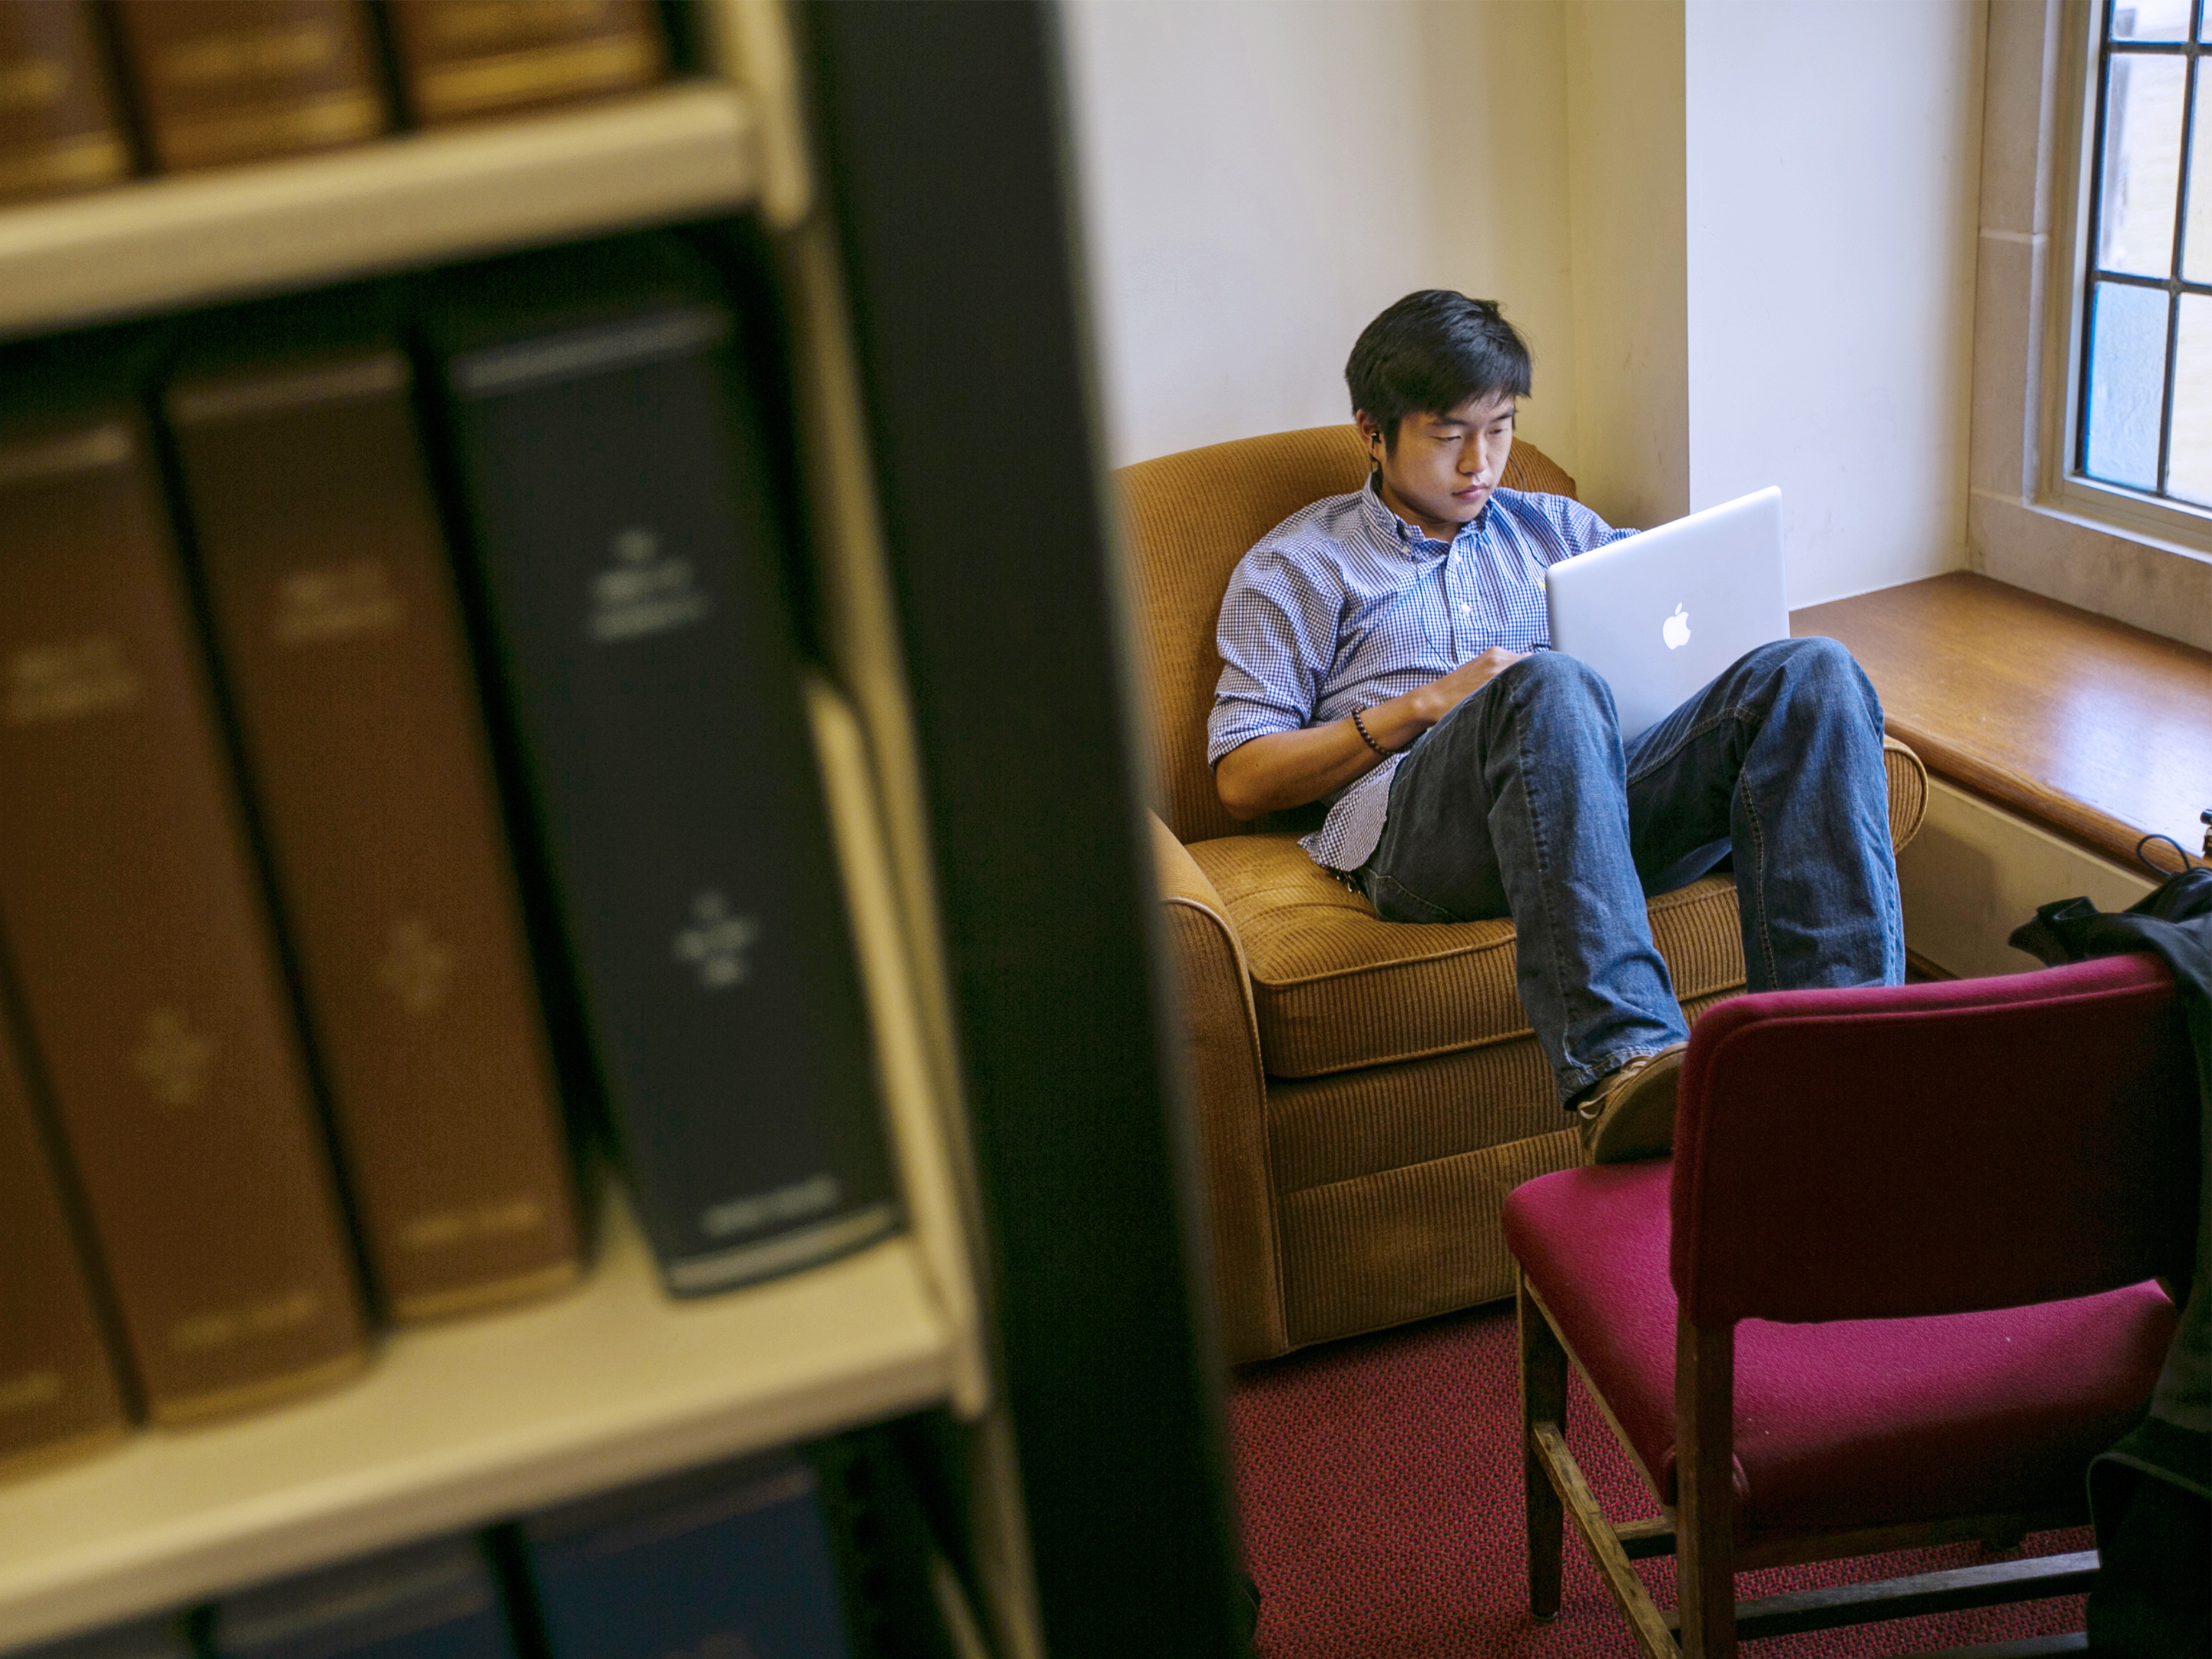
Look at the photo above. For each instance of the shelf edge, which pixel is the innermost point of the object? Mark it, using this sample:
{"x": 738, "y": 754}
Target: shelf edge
{"x": 156, "y": 244}
{"x": 177, "y": 1562}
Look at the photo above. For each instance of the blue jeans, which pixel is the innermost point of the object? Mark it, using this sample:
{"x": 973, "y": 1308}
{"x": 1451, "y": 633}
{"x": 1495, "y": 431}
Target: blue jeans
{"x": 1523, "y": 801}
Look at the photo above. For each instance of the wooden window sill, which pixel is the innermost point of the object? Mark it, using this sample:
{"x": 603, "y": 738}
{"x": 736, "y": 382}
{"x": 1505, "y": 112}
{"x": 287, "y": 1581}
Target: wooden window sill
{"x": 2098, "y": 731}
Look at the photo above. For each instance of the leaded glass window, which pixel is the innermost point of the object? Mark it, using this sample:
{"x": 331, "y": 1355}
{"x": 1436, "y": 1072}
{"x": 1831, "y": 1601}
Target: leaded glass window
{"x": 2145, "y": 420}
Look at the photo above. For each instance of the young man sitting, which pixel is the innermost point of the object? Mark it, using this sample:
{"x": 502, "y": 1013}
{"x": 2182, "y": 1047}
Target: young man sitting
{"x": 1389, "y": 652}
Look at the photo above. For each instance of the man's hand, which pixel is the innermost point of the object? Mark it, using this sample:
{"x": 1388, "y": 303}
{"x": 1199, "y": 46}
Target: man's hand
{"x": 1440, "y": 696}
{"x": 1289, "y": 768}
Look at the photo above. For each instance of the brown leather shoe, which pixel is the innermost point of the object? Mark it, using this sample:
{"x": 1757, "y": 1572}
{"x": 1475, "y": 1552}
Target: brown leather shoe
{"x": 1631, "y": 1113}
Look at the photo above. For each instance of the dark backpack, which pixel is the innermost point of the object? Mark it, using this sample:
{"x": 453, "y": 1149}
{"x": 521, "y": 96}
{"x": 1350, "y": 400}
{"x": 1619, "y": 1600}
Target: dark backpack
{"x": 2150, "y": 1496}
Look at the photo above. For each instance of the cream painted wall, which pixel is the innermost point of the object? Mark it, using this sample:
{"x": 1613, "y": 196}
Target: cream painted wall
{"x": 1497, "y": 104}
{"x": 1623, "y": 73}
{"x": 1259, "y": 178}
{"x": 1833, "y": 153}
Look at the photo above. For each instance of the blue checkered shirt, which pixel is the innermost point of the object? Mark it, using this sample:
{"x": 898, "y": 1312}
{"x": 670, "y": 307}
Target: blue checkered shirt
{"x": 1345, "y": 605}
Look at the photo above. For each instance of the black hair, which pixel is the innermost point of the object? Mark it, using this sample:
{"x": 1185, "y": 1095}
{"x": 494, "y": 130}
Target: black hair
{"x": 1431, "y": 352}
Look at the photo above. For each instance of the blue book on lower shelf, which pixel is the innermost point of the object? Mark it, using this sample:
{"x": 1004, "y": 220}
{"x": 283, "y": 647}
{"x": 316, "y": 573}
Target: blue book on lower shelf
{"x": 436, "y": 1601}
{"x": 732, "y": 1562}
{"x": 150, "y": 1639}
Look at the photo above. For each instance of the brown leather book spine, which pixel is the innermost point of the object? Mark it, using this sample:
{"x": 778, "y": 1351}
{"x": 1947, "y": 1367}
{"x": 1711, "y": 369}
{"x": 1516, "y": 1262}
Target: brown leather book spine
{"x": 58, "y": 1392}
{"x": 339, "y": 635}
{"x": 222, "y": 80}
{"x": 461, "y": 58}
{"x": 59, "y": 131}
{"x": 147, "y": 965}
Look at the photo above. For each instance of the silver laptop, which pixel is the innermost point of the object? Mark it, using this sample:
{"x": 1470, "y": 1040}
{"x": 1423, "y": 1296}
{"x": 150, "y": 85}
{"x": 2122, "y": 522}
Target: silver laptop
{"x": 1661, "y": 614}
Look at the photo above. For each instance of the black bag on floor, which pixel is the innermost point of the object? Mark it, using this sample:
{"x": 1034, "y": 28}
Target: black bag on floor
{"x": 2150, "y": 1496}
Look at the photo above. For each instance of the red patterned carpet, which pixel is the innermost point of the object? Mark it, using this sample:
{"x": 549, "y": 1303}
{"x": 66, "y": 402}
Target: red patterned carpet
{"x": 1380, "y": 1483}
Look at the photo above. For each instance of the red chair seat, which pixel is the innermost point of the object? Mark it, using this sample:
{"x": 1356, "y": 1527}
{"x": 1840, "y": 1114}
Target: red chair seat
{"x": 1849, "y": 1422}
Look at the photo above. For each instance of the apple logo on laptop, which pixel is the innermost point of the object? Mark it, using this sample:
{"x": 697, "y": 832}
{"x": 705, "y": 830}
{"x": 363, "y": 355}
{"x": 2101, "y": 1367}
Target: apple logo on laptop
{"x": 1676, "y": 629}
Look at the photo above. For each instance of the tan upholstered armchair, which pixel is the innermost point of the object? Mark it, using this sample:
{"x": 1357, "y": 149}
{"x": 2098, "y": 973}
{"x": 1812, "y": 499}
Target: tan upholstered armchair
{"x": 1367, "y": 1091}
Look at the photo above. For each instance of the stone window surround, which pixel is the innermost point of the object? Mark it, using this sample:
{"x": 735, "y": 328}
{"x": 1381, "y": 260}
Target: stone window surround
{"x": 2018, "y": 528}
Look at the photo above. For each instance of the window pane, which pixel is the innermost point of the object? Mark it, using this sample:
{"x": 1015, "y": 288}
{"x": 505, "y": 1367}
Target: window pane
{"x": 2150, "y": 20}
{"x": 2141, "y": 163}
{"x": 2189, "y": 462}
{"x": 2196, "y": 242}
{"x": 2127, "y": 383}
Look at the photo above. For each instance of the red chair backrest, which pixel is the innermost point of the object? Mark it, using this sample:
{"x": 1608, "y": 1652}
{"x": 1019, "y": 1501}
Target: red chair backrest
{"x": 1883, "y": 1153}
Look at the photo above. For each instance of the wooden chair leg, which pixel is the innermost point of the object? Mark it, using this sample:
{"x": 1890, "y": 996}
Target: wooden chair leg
{"x": 1704, "y": 1465}
{"x": 1543, "y": 1400}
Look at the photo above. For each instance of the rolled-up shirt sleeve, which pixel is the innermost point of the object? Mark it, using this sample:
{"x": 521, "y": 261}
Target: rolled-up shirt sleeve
{"x": 1277, "y": 638}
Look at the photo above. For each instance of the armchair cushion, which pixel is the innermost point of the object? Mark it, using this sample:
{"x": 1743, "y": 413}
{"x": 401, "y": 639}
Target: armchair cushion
{"x": 1335, "y": 988}
{"x": 1945, "y": 1433}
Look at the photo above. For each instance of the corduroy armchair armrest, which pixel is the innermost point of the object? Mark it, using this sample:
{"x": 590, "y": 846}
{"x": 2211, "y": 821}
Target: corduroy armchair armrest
{"x": 1229, "y": 1093}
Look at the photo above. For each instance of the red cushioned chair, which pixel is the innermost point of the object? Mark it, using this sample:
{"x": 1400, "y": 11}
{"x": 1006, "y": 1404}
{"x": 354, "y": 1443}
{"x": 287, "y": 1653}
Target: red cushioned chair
{"x": 1892, "y": 1289}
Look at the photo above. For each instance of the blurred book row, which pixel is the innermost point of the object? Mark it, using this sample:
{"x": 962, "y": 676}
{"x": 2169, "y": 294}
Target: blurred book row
{"x": 405, "y": 789}
{"x": 818, "y": 1556}
{"x": 93, "y": 91}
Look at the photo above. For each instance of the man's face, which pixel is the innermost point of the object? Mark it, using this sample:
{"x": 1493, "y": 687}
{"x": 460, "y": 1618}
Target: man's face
{"x": 1445, "y": 465}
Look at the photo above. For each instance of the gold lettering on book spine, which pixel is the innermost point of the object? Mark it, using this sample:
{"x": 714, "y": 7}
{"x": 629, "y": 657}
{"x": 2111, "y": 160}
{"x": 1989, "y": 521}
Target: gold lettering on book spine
{"x": 442, "y": 1304}
{"x": 335, "y": 603}
{"x": 220, "y": 1328}
{"x": 442, "y": 1230}
{"x": 32, "y": 84}
{"x": 417, "y": 966}
{"x": 47, "y": 1453}
{"x": 92, "y": 160}
{"x": 172, "y": 1060}
{"x": 30, "y": 1391}
{"x": 67, "y": 679}
{"x": 248, "y": 55}
{"x": 473, "y": 24}
{"x": 101, "y": 447}
{"x": 218, "y": 1402}
{"x": 335, "y": 118}
{"x": 489, "y": 84}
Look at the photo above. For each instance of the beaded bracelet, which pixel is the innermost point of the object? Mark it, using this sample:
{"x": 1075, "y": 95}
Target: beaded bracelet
{"x": 1367, "y": 736}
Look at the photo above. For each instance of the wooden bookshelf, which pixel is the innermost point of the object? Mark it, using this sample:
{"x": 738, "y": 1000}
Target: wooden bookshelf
{"x": 487, "y": 1418}
{"x": 685, "y": 150}
{"x": 482, "y": 1420}
{"x": 476, "y": 1421}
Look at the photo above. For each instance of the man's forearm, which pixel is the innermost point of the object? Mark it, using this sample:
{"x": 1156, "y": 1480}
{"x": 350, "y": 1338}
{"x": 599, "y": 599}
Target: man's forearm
{"x": 1290, "y": 769}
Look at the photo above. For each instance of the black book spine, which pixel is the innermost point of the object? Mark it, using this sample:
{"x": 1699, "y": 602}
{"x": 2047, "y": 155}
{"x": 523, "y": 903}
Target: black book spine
{"x": 622, "y": 551}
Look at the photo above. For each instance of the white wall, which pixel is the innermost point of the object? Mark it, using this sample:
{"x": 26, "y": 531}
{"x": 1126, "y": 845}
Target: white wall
{"x": 1498, "y": 109}
{"x": 1739, "y": 234}
{"x": 1260, "y": 178}
{"x": 1622, "y": 69}
{"x": 1833, "y": 166}
{"x": 1255, "y": 175}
